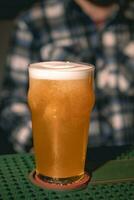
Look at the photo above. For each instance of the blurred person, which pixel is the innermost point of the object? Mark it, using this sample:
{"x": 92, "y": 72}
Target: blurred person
{"x": 93, "y": 31}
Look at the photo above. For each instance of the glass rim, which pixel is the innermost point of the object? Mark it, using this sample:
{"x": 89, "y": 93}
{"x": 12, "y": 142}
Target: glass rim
{"x": 62, "y": 66}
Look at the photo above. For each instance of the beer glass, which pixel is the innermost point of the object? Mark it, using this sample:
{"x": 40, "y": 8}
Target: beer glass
{"x": 61, "y": 98}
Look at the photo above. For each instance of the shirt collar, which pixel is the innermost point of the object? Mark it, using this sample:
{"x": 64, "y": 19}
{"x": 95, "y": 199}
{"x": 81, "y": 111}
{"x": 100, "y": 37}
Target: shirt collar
{"x": 73, "y": 7}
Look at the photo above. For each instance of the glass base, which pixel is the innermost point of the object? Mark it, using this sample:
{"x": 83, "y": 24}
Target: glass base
{"x": 76, "y": 182}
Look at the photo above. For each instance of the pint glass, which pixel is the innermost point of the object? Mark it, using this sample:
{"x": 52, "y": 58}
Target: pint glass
{"x": 61, "y": 98}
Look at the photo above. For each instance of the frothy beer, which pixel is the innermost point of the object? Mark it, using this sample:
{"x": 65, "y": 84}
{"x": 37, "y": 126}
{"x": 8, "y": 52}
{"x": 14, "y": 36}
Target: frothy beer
{"x": 61, "y": 98}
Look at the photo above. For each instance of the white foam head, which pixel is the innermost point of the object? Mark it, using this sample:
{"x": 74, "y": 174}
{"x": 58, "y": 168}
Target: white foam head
{"x": 59, "y": 70}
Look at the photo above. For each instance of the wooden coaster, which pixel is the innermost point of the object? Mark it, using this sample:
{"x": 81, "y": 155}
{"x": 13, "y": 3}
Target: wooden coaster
{"x": 82, "y": 183}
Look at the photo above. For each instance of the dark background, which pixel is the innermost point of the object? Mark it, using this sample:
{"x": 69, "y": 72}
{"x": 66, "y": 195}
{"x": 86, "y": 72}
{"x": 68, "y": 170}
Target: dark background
{"x": 9, "y": 9}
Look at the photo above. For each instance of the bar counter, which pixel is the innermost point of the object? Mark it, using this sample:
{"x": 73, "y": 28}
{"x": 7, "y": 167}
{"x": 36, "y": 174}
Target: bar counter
{"x": 111, "y": 169}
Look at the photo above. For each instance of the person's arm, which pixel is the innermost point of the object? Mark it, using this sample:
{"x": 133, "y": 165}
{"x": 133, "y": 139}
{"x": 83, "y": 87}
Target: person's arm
{"x": 15, "y": 122}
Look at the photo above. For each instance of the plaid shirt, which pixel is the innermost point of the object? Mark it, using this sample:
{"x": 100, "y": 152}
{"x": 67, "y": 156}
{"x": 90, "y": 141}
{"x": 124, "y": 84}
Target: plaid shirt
{"x": 59, "y": 30}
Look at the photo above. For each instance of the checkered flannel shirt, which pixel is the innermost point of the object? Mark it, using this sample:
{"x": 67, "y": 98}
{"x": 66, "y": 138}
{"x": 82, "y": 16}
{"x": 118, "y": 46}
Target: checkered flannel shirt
{"x": 59, "y": 30}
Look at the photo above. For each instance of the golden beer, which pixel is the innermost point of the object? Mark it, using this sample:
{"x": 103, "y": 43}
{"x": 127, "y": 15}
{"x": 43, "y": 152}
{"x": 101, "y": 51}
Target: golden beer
{"x": 61, "y": 98}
